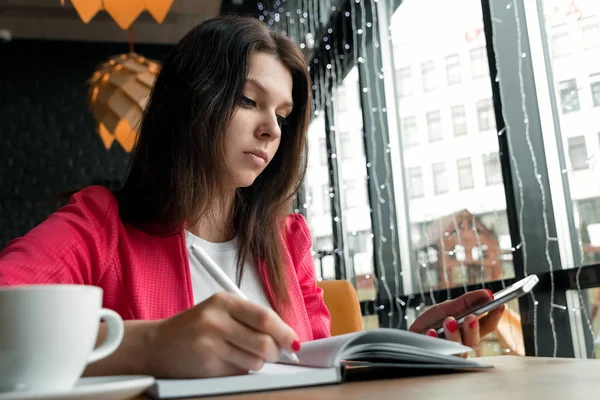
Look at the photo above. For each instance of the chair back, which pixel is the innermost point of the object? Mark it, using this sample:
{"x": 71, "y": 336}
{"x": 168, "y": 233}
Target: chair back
{"x": 343, "y": 305}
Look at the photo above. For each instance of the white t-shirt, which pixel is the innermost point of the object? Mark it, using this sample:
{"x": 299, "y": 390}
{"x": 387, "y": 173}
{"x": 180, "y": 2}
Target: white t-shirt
{"x": 224, "y": 254}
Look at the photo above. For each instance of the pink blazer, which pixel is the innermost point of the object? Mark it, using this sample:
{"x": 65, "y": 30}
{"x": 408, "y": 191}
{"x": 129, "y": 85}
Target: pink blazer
{"x": 146, "y": 276}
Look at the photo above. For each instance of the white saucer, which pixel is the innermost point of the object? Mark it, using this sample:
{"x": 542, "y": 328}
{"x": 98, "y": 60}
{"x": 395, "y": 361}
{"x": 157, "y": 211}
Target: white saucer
{"x": 102, "y": 387}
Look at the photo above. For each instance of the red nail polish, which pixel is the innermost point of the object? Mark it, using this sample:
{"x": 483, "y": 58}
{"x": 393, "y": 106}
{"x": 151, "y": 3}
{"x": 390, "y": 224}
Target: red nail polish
{"x": 491, "y": 294}
{"x": 431, "y": 333}
{"x": 296, "y": 345}
{"x": 473, "y": 324}
{"x": 451, "y": 326}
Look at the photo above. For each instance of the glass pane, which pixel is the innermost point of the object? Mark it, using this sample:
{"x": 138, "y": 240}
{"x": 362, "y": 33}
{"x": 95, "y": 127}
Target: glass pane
{"x": 317, "y": 202}
{"x": 454, "y": 190}
{"x": 507, "y": 339}
{"x": 591, "y": 319}
{"x": 573, "y": 30}
{"x": 353, "y": 182}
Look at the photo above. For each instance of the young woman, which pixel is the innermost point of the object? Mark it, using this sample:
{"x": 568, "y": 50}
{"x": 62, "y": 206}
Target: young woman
{"x": 220, "y": 155}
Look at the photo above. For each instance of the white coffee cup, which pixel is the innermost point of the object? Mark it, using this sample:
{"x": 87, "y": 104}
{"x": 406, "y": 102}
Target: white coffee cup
{"x": 48, "y": 334}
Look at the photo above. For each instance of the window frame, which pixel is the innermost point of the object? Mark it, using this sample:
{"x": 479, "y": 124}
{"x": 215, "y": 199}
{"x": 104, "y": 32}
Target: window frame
{"x": 506, "y": 107}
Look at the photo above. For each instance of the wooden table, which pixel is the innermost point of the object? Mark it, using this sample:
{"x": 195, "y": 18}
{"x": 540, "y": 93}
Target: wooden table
{"x": 512, "y": 378}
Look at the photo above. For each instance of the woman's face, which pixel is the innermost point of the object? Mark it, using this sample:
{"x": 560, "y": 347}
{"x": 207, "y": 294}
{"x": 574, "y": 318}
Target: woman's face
{"x": 253, "y": 135}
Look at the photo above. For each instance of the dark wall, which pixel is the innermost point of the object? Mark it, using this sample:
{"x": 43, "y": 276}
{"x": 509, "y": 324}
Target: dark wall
{"x": 48, "y": 142}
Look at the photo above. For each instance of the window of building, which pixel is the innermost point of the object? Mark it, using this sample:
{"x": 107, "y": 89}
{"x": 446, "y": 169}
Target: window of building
{"x": 404, "y": 82}
{"x": 465, "y": 173}
{"x": 578, "y": 152}
{"x": 459, "y": 120}
{"x": 434, "y": 126}
{"x": 491, "y": 168}
{"x": 415, "y": 182}
{"x": 479, "y": 252}
{"x": 569, "y": 96}
{"x": 410, "y": 131}
{"x": 352, "y": 194}
{"x": 485, "y": 115}
{"x": 479, "y": 67}
{"x": 440, "y": 178}
{"x": 432, "y": 277}
{"x": 560, "y": 43}
{"x": 346, "y": 145}
{"x": 595, "y": 86}
{"x": 432, "y": 255}
{"x": 428, "y": 75}
{"x": 323, "y": 152}
{"x": 326, "y": 198}
{"x": 341, "y": 105}
{"x": 453, "y": 71}
{"x": 590, "y": 33}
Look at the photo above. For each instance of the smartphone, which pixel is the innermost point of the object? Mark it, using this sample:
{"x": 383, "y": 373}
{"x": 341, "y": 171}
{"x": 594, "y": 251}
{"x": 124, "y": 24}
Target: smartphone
{"x": 505, "y": 295}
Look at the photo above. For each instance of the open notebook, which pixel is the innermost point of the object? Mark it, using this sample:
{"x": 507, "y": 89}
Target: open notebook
{"x": 334, "y": 360}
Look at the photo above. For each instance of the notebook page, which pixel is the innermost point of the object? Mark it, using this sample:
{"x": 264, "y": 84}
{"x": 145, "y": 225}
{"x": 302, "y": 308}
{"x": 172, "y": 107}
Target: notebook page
{"x": 325, "y": 352}
{"x": 406, "y": 338}
{"x": 330, "y": 351}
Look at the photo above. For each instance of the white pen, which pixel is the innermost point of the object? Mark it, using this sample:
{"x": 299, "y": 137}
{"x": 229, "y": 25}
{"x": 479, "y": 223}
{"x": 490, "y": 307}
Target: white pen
{"x": 226, "y": 283}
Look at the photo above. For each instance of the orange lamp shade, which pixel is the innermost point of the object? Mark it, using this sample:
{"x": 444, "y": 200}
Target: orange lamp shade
{"x": 118, "y": 93}
{"x": 124, "y": 12}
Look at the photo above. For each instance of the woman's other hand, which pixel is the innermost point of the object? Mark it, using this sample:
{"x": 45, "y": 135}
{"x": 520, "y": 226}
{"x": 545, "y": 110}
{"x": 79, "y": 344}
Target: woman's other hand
{"x": 472, "y": 330}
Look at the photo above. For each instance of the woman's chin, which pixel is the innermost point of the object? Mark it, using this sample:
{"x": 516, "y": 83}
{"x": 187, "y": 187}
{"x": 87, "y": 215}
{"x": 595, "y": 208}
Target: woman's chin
{"x": 245, "y": 181}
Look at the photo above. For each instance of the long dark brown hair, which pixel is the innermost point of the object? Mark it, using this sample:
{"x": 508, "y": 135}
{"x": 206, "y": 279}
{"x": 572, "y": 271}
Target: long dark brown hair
{"x": 178, "y": 162}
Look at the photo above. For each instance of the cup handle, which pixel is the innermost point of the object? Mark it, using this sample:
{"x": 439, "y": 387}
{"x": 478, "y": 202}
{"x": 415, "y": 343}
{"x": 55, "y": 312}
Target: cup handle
{"x": 115, "y": 327}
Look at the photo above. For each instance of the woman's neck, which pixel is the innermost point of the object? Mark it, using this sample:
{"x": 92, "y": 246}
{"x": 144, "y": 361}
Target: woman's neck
{"x": 216, "y": 224}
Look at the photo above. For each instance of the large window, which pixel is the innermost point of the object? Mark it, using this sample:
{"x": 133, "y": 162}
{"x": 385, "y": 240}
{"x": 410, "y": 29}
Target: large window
{"x": 454, "y": 197}
{"x": 423, "y": 199}
{"x": 578, "y": 114}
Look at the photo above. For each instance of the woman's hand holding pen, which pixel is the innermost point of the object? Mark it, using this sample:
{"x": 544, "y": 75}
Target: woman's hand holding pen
{"x": 223, "y": 335}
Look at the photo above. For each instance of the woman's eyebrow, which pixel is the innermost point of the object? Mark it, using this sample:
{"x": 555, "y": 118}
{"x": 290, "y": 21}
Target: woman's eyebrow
{"x": 260, "y": 86}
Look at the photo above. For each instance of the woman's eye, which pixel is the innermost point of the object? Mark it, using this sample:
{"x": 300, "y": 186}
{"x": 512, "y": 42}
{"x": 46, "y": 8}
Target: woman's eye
{"x": 247, "y": 102}
{"x": 281, "y": 120}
